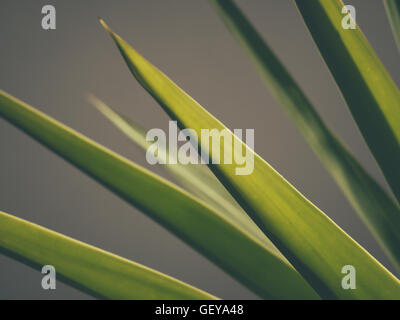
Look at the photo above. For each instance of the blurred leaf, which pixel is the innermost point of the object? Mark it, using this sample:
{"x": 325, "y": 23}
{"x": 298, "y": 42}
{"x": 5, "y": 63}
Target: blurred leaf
{"x": 380, "y": 213}
{"x": 312, "y": 242}
{"x": 370, "y": 93}
{"x": 244, "y": 257}
{"x": 98, "y": 272}
{"x": 198, "y": 179}
{"x": 393, "y": 11}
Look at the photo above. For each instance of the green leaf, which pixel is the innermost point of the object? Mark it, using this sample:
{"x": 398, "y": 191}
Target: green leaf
{"x": 380, "y": 213}
{"x": 198, "y": 179}
{"x": 96, "y": 271}
{"x": 311, "y": 241}
{"x": 242, "y": 256}
{"x": 370, "y": 93}
{"x": 393, "y": 11}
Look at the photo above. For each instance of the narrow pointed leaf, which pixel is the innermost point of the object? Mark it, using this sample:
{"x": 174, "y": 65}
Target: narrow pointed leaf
{"x": 393, "y": 11}
{"x": 244, "y": 257}
{"x": 378, "y": 210}
{"x": 99, "y": 272}
{"x": 311, "y": 241}
{"x": 372, "y": 96}
{"x": 198, "y": 179}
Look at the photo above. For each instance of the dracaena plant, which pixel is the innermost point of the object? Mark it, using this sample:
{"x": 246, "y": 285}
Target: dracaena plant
{"x": 256, "y": 227}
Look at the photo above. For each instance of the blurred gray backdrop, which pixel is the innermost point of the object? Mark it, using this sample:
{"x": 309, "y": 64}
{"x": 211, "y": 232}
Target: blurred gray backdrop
{"x": 55, "y": 70}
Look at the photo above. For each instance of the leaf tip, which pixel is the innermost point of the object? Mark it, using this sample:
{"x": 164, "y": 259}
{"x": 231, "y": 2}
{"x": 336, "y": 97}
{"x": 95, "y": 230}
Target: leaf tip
{"x": 91, "y": 97}
{"x": 104, "y": 25}
{"x": 94, "y": 101}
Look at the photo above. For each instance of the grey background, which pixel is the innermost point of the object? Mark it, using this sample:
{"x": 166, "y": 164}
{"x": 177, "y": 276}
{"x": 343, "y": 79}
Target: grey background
{"x": 54, "y": 71}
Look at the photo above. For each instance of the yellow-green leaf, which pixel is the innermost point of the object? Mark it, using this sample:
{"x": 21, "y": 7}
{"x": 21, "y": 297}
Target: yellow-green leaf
{"x": 311, "y": 241}
{"x": 98, "y": 272}
{"x": 376, "y": 208}
{"x": 393, "y": 11}
{"x": 192, "y": 220}
{"x": 196, "y": 178}
{"x": 371, "y": 94}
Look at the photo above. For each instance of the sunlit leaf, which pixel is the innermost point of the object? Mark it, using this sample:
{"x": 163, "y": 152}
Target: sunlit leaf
{"x": 198, "y": 179}
{"x": 88, "y": 268}
{"x": 242, "y": 256}
{"x": 393, "y": 11}
{"x": 311, "y": 241}
{"x": 378, "y": 210}
{"x": 372, "y": 96}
